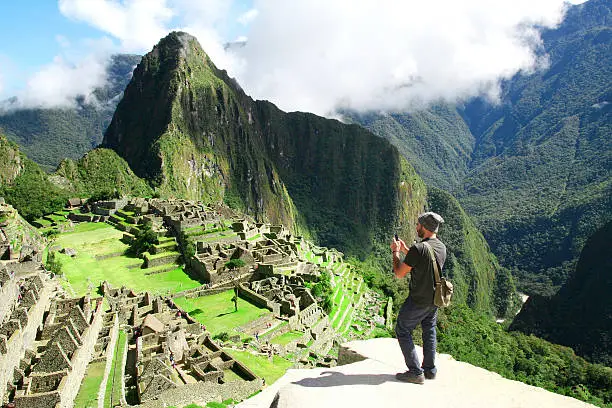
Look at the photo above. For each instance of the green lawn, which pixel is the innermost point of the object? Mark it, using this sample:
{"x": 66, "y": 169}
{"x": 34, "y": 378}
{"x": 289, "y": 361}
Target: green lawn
{"x": 91, "y": 239}
{"x": 217, "y": 311}
{"x": 88, "y": 393}
{"x": 261, "y": 365}
{"x": 114, "y": 384}
{"x": 284, "y": 339}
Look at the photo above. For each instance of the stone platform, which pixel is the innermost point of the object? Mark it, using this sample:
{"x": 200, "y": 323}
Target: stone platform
{"x": 371, "y": 383}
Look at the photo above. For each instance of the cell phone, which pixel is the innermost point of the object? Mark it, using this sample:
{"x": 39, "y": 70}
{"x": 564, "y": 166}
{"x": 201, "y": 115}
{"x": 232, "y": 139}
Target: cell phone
{"x": 396, "y": 237}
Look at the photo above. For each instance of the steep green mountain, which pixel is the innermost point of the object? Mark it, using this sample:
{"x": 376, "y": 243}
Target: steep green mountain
{"x": 24, "y": 185}
{"x": 436, "y": 141}
{"x": 34, "y": 193}
{"x": 191, "y": 131}
{"x": 580, "y": 315}
{"x": 11, "y": 164}
{"x": 49, "y": 135}
{"x": 534, "y": 171}
{"x": 100, "y": 171}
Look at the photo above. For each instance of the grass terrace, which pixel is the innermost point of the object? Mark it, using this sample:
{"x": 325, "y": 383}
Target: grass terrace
{"x": 114, "y": 385}
{"x": 88, "y": 393}
{"x": 100, "y": 257}
{"x": 217, "y": 311}
{"x": 269, "y": 369}
{"x": 286, "y": 338}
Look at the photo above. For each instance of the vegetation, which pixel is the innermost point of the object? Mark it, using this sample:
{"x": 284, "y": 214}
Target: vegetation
{"x": 25, "y": 186}
{"x": 186, "y": 246}
{"x": 100, "y": 174}
{"x": 323, "y": 291}
{"x": 114, "y": 386}
{"x": 100, "y": 257}
{"x": 235, "y": 263}
{"x": 270, "y": 369}
{"x": 576, "y": 316}
{"x": 476, "y": 339}
{"x": 144, "y": 239}
{"x": 88, "y": 393}
{"x": 53, "y": 264}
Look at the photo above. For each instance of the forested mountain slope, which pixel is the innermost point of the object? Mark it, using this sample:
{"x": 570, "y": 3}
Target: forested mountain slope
{"x": 580, "y": 315}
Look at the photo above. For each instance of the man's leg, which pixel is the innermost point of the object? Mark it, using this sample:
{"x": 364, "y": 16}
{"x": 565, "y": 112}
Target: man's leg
{"x": 407, "y": 319}
{"x": 429, "y": 343}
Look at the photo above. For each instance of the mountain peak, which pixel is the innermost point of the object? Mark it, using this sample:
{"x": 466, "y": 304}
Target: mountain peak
{"x": 179, "y": 41}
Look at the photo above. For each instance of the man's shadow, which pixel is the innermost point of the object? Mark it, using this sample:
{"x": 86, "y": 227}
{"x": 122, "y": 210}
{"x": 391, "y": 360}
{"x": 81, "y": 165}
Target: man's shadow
{"x": 336, "y": 379}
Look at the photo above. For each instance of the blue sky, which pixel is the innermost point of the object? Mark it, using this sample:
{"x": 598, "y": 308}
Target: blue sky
{"x": 36, "y": 31}
{"x": 309, "y": 55}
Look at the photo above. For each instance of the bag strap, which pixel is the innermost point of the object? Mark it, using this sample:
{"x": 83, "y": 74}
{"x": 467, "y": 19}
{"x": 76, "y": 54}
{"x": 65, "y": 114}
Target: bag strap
{"x": 435, "y": 262}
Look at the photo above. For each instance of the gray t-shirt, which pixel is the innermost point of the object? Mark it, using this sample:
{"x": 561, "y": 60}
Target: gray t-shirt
{"x": 422, "y": 275}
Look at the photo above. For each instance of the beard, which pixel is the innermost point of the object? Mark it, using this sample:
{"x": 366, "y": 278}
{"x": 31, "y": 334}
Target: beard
{"x": 420, "y": 231}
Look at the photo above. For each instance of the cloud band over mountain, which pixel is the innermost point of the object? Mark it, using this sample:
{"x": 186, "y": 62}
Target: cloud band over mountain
{"x": 315, "y": 55}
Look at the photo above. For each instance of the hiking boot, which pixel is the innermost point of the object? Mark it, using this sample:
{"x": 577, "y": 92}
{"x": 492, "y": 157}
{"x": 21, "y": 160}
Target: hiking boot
{"x": 410, "y": 377}
{"x": 429, "y": 375}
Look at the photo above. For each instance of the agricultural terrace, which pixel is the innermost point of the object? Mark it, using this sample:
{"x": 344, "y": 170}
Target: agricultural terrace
{"x": 347, "y": 289}
{"x": 100, "y": 256}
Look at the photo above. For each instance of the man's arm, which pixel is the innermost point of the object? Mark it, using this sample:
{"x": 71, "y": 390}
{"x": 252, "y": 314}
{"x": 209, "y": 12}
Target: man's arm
{"x": 400, "y": 269}
{"x": 399, "y": 247}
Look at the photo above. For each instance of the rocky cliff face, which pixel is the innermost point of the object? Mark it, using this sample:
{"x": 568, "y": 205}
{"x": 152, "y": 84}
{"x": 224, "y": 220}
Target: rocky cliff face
{"x": 11, "y": 164}
{"x": 192, "y": 132}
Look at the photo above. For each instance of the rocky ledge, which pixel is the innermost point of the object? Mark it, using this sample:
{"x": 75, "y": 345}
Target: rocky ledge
{"x": 367, "y": 379}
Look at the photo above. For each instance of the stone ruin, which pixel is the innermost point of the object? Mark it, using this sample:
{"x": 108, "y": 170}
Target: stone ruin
{"x": 172, "y": 350}
{"x": 19, "y": 242}
{"x": 46, "y": 339}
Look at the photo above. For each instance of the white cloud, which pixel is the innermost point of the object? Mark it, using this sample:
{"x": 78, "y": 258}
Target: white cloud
{"x": 248, "y": 17}
{"x": 316, "y": 55}
{"x": 138, "y": 24}
{"x": 59, "y": 83}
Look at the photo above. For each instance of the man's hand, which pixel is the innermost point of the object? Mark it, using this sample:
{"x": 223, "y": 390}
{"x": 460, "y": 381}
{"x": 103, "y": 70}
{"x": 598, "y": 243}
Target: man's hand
{"x": 400, "y": 269}
{"x": 399, "y": 245}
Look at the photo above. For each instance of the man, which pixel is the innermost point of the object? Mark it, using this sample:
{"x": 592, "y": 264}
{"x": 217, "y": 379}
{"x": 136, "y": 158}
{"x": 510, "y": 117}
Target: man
{"x": 419, "y": 307}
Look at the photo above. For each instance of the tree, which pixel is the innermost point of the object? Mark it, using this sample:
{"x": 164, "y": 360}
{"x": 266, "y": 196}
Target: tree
{"x": 144, "y": 240}
{"x": 234, "y": 263}
{"x": 53, "y": 264}
{"x": 235, "y": 298}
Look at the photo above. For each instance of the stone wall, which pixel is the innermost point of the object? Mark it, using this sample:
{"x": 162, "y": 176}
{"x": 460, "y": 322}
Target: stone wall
{"x": 199, "y": 292}
{"x": 8, "y": 297}
{"x": 23, "y": 339}
{"x": 47, "y": 399}
{"x": 81, "y": 359}
{"x": 258, "y": 299}
{"x": 202, "y": 392}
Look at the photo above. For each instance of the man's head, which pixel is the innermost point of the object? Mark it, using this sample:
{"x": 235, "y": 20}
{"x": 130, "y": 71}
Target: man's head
{"x": 428, "y": 222}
